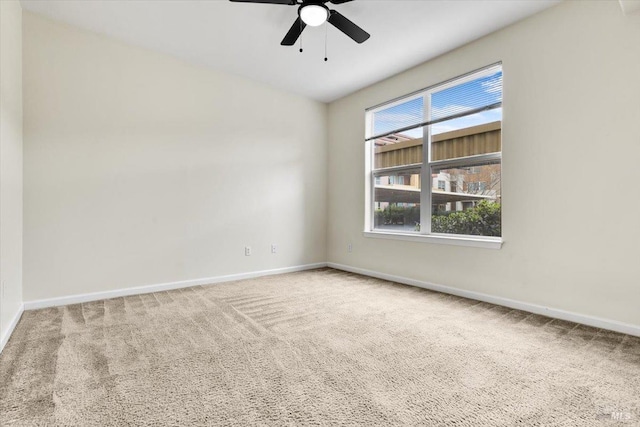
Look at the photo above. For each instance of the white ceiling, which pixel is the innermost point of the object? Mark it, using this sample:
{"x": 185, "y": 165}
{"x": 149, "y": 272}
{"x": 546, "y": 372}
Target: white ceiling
{"x": 244, "y": 39}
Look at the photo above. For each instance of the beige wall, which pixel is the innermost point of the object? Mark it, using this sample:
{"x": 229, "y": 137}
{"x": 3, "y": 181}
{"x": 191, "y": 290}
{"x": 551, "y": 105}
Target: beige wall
{"x": 10, "y": 163}
{"x": 141, "y": 169}
{"x": 571, "y": 209}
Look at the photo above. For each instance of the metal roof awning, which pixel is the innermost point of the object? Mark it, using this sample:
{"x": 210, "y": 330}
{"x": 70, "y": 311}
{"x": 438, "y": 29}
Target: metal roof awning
{"x": 409, "y": 194}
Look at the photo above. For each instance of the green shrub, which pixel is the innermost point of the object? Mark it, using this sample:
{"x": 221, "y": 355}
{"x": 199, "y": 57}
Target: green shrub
{"x": 481, "y": 220}
{"x": 397, "y": 215}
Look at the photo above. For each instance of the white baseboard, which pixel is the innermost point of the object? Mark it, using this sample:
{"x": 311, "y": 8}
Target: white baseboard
{"x": 12, "y": 325}
{"x": 555, "y": 313}
{"x": 96, "y": 296}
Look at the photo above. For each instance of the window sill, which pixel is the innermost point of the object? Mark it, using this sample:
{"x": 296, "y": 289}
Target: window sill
{"x": 469, "y": 241}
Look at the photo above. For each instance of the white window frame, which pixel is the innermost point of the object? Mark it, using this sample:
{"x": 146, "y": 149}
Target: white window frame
{"x": 426, "y": 169}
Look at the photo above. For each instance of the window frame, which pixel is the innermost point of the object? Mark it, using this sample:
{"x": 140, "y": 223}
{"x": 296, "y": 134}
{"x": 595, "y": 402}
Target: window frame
{"x": 425, "y": 168}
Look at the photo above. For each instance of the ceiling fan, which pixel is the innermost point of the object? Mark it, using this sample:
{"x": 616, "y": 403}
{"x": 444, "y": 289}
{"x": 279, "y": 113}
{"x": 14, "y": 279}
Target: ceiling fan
{"x": 315, "y": 13}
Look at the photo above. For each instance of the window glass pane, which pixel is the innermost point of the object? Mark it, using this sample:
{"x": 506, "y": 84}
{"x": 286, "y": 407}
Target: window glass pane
{"x": 477, "y": 93}
{"x": 398, "y": 149}
{"x": 397, "y": 201}
{"x": 470, "y": 201}
{"x": 406, "y": 113}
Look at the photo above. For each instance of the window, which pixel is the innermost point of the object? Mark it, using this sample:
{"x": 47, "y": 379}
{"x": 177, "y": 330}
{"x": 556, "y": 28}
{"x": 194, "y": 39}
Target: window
{"x": 476, "y": 187}
{"x": 434, "y": 161}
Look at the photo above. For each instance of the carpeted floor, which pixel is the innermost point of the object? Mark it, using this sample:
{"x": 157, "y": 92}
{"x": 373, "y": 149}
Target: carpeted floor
{"x": 320, "y": 347}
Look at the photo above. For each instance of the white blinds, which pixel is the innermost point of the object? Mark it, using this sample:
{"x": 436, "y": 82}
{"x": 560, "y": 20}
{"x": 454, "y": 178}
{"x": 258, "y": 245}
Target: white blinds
{"x": 458, "y": 98}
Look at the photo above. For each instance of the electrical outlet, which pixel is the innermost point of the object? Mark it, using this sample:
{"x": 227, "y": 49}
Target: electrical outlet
{"x": 247, "y": 251}
{"x": 274, "y": 249}
{"x": 350, "y": 247}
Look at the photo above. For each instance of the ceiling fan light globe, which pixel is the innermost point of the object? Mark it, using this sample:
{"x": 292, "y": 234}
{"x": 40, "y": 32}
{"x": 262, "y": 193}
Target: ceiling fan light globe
{"x": 314, "y": 15}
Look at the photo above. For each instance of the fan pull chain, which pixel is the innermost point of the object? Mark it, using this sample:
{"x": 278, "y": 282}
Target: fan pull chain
{"x": 301, "y": 28}
{"x": 326, "y": 31}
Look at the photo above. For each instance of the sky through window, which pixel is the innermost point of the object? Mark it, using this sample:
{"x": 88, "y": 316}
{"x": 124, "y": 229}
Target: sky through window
{"x": 457, "y": 99}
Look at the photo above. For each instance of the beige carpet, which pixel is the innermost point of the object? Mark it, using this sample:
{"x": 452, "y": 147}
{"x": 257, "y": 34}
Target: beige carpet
{"x": 321, "y": 347}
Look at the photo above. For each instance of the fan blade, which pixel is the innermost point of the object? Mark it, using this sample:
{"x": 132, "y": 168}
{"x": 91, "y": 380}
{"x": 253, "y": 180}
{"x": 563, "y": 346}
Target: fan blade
{"x": 349, "y": 28}
{"x": 294, "y": 33}
{"x": 286, "y": 2}
{"x": 339, "y": 1}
